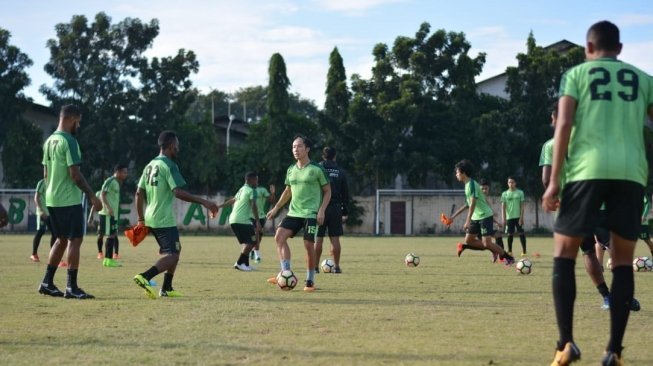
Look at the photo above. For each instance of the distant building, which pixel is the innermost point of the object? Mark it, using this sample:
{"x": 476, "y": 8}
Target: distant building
{"x": 44, "y": 118}
{"x": 496, "y": 85}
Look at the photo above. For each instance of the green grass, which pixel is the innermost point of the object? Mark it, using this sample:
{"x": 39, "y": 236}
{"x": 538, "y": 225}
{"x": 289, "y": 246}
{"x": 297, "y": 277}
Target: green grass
{"x": 447, "y": 311}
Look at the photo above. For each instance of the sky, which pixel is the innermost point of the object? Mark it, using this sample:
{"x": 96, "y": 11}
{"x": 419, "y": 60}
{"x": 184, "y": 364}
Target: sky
{"x": 234, "y": 40}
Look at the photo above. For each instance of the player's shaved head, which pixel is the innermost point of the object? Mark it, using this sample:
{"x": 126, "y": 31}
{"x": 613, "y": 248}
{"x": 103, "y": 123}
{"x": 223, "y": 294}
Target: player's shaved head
{"x": 604, "y": 35}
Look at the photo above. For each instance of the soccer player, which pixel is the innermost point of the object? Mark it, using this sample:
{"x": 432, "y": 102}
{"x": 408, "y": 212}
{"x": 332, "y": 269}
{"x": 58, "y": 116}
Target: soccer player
{"x": 599, "y": 144}
{"x": 42, "y": 220}
{"x": 498, "y": 234}
{"x": 263, "y": 196}
{"x": 110, "y": 195}
{"x": 159, "y": 184}
{"x": 480, "y": 217}
{"x": 512, "y": 214}
{"x": 592, "y": 244}
{"x": 336, "y": 212}
{"x": 100, "y": 232}
{"x": 63, "y": 196}
{"x": 240, "y": 219}
{"x": 309, "y": 193}
{"x": 645, "y": 234}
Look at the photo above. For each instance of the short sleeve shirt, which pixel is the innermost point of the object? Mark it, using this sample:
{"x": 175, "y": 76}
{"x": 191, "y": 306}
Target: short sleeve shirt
{"x": 512, "y": 201}
{"x": 262, "y": 195}
{"x": 242, "y": 211}
{"x": 482, "y": 209}
{"x": 40, "y": 189}
{"x": 112, "y": 189}
{"x": 607, "y": 140}
{"x": 306, "y": 187}
{"x": 159, "y": 179}
{"x": 546, "y": 156}
{"x": 61, "y": 151}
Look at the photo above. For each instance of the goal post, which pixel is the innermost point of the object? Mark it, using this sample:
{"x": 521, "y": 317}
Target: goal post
{"x": 413, "y": 211}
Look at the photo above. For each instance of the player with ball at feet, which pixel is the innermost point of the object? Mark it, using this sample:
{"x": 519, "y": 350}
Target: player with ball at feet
{"x": 309, "y": 193}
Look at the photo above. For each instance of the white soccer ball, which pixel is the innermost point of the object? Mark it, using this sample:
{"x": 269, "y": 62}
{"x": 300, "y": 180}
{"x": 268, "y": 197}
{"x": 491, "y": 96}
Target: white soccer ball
{"x": 286, "y": 280}
{"x": 642, "y": 264}
{"x": 524, "y": 266}
{"x": 648, "y": 262}
{"x": 327, "y": 266}
{"x": 411, "y": 260}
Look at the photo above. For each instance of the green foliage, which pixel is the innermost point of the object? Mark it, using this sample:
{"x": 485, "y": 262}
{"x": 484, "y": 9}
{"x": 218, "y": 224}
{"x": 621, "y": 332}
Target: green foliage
{"x": 22, "y": 154}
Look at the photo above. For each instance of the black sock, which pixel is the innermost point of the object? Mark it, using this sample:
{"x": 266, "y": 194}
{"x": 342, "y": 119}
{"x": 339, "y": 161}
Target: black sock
{"x": 167, "y": 281}
{"x": 49, "y": 274}
{"x": 522, "y": 239}
{"x": 109, "y": 250}
{"x": 510, "y": 243}
{"x": 500, "y": 242}
{"x": 72, "y": 279}
{"x": 564, "y": 295}
{"x": 37, "y": 241}
{"x": 243, "y": 258}
{"x": 116, "y": 245}
{"x": 603, "y": 289}
{"x": 99, "y": 244}
{"x": 150, "y": 273}
{"x": 621, "y": 295}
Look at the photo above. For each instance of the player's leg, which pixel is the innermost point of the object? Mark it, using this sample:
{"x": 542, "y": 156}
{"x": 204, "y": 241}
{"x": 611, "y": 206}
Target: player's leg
{"x": 319, "y": 241}
{"x": 335, "y": 252}
{"x": 522, "y": 239}
{"x": 510, "y": 231}
{"x": 40, "y": 230}
{"x": 310, "y": 233}
{"x": 595, "y": 270}
{"x": 76, "y": 235}
{"x": 259, "y": 237}
{"x": 246, "y": 237}
{"x": 170, "y": 249}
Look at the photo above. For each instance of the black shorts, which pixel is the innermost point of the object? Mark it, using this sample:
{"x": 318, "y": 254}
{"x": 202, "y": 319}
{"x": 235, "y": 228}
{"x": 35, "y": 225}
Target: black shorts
{"x": 645, "y": 234}
{"x": 244, "y": 233}
{"x": 108, "y": 225}
{"x": 484, "y": 227}
{"x": 332, "y": 222}
{"x": 261, "y": 221}
{"x": 67, "y": 222}
{"x": 295, "y": 224}
{"x": 580, "y": 204}
{"x": 512, "y": 225}
{"x": 168, "y": 239}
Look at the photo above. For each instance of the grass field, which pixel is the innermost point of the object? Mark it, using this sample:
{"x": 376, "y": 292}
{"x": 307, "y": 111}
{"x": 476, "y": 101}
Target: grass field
{"x": 447, "y": 311}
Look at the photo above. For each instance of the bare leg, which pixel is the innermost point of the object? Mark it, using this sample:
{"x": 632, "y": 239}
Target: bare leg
{"x": 335, "y": 249}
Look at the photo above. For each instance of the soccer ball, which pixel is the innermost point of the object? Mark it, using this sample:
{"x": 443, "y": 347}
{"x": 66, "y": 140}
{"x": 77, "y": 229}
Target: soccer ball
{"x": 286, "y": 280}
{"x": 524, "y": 266}
{"x": 412, "y": 260}
{"x": 642, "y": 264}
{"x": 327, "y": 266}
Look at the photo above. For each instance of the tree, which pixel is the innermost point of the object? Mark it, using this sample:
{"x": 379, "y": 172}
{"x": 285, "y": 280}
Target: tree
{"x": 336, "y": 105}
{"x": 20, "y": 140}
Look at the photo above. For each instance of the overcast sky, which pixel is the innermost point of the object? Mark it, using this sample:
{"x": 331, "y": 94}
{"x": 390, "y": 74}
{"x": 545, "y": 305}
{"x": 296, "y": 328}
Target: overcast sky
{"x": 235, "y": 39}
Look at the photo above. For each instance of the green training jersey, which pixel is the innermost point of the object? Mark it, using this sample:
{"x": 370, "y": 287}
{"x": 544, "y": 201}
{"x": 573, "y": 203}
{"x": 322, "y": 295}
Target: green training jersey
{"x": 512, "y": 201}
{"x": 482, "y": 209}
{"x": 61, "y": 151}
{"x": 159, "y": 179}
{"x": 306, "y": 187}
{"x": 112, "y": 188}
{"x": 40, "y": 189}
{"x": 607, "y": 138}
{"x": 546, "y": 156}
{"x": 242, "y": 211}
{"x": 262, "y": 195}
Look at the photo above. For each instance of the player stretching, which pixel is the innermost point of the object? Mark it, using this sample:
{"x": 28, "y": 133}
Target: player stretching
{"x": 309, "y": 193}
{"x": 480, "y": 217}
{"x": 599, "y": 144}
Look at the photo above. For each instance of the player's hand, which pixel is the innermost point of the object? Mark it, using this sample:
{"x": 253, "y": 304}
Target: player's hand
{"x": 213, "y": 208}
{"x": 97, "y": 204}
{"x": 466, "y": 225}
{"x": 320, "y": 217}
{"x": 550, "y": 200}
{"x": 446, "y": 220}
{"x": 271, "y": 214}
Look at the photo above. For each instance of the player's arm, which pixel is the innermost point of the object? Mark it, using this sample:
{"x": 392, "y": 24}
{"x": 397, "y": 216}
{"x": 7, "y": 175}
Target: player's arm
{"x": 566, "y": 111}
{"x": 228, "y": 202}
{"x": 77, "y": 177}
{"x": 503, "y": 212}
{"x": 140, "y": 200}
{"x": 459, "y": 211}
{"x": 326, "y": 198}
{"x": 521, "y": 213}
{"x": 470, "y": 212}
{"x": 105, "y": 202}
{"x": 257, "y": 223}
{"x": 37, "y": 201}
{"x": 546, "y": 175}
{"x": 185, "y": 196}
{"x": 90, "y": 215}
{"x": 286, "y": 195}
